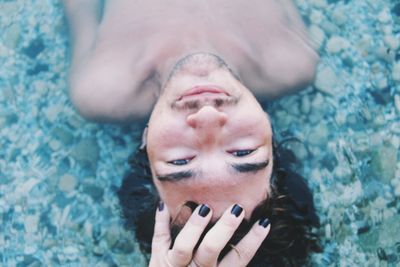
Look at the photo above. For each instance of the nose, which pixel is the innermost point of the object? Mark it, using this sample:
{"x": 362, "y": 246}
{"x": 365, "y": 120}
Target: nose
{"x": 207, "y": 121}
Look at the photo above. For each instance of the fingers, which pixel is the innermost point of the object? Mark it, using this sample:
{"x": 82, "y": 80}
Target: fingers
{"x": 218, "y": 236}
{"x": 247, "y": 247}
{"x": 185, "y": 242}
{"x": 162, "y": 237}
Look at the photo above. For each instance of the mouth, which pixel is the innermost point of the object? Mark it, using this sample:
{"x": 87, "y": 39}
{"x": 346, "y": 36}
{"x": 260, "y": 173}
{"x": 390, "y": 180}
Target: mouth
{"x": 203, "y": 89}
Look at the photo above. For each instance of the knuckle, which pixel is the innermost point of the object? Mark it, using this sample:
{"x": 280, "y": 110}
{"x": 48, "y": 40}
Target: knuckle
{"x": 161, "y": 236}
{"x": 210, "y": 249}
{"x": 182, "y": 253}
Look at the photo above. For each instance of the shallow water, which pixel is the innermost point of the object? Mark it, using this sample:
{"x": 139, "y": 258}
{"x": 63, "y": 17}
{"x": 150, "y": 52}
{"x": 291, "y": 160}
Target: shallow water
{"x": 59, "y": 173}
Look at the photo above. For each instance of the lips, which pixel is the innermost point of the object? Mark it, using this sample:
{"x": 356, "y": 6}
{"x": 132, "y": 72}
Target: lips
{"x": 208, "y": 89}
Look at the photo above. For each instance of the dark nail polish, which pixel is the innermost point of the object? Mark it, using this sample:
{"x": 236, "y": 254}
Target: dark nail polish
{"x": 160, "y": 206}
{"x": 204, "y": 210}
{"x": 236, "y": 210}
{"x": 264, "y": 223}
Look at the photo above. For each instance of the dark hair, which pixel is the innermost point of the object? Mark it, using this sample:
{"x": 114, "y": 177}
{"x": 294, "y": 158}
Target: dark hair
{"x": 290, "y": 208}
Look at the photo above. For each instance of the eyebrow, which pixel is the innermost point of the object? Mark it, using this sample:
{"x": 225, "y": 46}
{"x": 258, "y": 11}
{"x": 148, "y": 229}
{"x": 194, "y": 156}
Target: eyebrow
{"x": 239, "y": 168}
{"x": 176, "y": 176}
{"x": 250, "y": 167}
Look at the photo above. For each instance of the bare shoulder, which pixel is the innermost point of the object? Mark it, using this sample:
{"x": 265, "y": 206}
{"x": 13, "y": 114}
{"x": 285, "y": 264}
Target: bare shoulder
{"x": 107, "y": 85}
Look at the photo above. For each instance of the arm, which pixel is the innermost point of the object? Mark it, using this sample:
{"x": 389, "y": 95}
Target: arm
{"x": 83, "y": 18}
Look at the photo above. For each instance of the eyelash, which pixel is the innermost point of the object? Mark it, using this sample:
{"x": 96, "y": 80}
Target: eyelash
{"x": 242, "y": 153}
{"x": 235, "y": 153}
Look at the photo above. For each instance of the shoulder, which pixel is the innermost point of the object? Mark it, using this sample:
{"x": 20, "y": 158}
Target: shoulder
{"x": 110, "y": 85}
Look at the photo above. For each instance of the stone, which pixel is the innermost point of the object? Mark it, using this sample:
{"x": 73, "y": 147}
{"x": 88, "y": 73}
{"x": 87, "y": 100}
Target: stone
{"x": 94, "y": 191}
{"x": 396, "y": 72}
{"x": 397, "y": 103}
{"x": 319, "y": 135}
{"x": 383, "y": 162}
{"x": 31, "y": 223}
{"x": 391, "y": 41}
{"x": 12, "y": 35}
{"x": 71, "y": 253}
{"x": 305, "y": 105}
{"x": 87, "y": 151}
{"x": 384, "y": 16}
{"x": 67, "y": 183}
{"x": 337, "y": 44}
{"x": 317, "y": 36}
{"x": 62, "y": 134}
{"x": 326, "y": 81}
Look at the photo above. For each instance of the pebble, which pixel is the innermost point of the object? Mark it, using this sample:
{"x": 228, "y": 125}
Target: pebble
{"x": 317, "y": 16}
{"x": 12, "y": 36}
{"x": 71, "y": 253}
{"x": 384, "y": 16}
{"x": 397, "y": 102}
{"x": 383, "y": 162}
{"x": 317, "y": 36}
{"x": 397, "y": 191}
{"x": 31, "y": 223}
{"x": 67, "y": 183}
{"x": 396, "y": 72}
{"x": 391, "y": 41}
{"x": 337, "y": 44}
{"x": 326, "y": 80}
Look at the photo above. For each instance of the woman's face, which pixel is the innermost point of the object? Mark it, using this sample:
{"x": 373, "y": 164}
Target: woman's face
{"x": 209, "y": 141}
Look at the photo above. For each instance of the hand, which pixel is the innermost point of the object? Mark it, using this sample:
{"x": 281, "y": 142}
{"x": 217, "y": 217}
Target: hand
{"x": 182, "y": 254}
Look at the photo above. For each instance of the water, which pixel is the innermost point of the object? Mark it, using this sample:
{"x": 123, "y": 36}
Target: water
{"x": 59, "y": 173}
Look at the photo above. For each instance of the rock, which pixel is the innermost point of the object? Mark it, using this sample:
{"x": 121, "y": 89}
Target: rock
{"x": 326, "y": 81}
{"x": 12, "y": 35}
{"x": 317, "y": 36}
{"x": 87, "y": 151}
{"x": 316, "y": 16}
{"x": 384, "y": 16}
{"x": 67, "y": 183}
{"x": 397, "y": 103}
{"x": 339, "y": 16}
{"x": 337, "y": 44}
{"x": 62, "y": 134}
{"x": 31, "y": 223}
{"x": 319, "y": 135}
{"x": 52, "y": 112}
{"x": 305, "y": 106}
{"x": 94, "y": 191}
{"x": 383, "y": 162}
{"x": 397, "y": 191}
{"x": 391, "y": 41}
{"x": 396, "y": 72}
{"x": 71, "y": 253}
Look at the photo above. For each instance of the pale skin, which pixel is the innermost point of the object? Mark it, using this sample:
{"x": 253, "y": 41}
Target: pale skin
{"x": 124, "y": 67}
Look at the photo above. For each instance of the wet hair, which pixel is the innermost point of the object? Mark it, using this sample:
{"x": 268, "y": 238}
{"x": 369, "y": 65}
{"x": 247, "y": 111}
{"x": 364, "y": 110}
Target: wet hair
{"x": 290, "y": 209}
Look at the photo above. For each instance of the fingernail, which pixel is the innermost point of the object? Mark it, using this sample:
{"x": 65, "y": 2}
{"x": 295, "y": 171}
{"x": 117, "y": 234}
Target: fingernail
{"x": 236, "y": 210}
{"x": 264, "y": 223}
{"x": 160, "y": 206}
{"x": 204, "y": 210}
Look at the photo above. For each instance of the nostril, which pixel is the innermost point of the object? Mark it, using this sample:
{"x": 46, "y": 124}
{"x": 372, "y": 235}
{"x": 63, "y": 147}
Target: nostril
{"x": 207, "y": 117}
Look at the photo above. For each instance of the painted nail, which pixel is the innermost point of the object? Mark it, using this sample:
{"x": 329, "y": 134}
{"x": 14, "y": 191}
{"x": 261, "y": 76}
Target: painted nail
{"x": 236, "y": 210}
{"x": 204, "y": 210}
{"x": 160, "y": 206}
{"x": 264, "y": 223}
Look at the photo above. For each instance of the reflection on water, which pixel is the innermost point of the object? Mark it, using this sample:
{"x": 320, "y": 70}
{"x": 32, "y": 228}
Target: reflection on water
{"x": 59, "y": 174}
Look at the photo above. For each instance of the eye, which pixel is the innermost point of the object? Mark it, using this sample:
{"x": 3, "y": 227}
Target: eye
{"x": 242, "y": 153}
{"x": 179, "y": 162}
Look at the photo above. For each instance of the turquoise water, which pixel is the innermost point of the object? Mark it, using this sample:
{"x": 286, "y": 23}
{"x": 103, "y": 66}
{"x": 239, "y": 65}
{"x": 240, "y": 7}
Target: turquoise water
{"x": 59, "y": 173}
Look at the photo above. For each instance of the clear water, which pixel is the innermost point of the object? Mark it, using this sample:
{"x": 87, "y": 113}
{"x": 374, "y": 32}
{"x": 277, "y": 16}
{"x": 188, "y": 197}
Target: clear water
{"x": 59, "y": 173}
